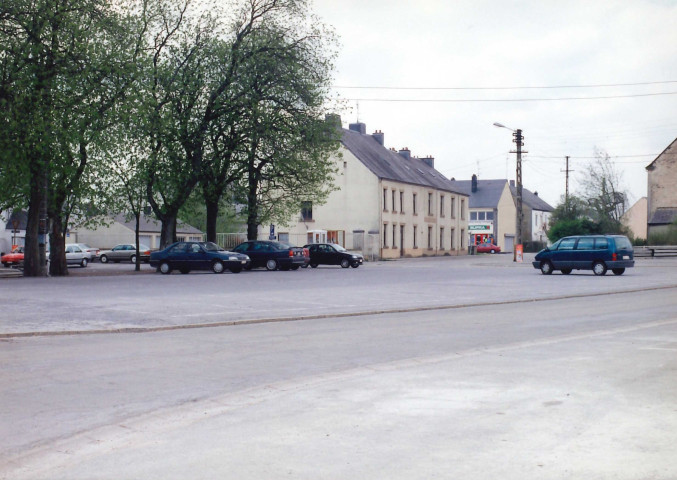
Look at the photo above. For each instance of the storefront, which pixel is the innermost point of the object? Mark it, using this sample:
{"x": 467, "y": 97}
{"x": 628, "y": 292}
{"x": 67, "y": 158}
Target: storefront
{"x": 481, "y": 232}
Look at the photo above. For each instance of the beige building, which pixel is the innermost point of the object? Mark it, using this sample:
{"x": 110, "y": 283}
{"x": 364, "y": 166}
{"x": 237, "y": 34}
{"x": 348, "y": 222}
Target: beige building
{"x": 388, "y": 204}
{"x": 662, "y": 190}
{"x": 635, "y": 218}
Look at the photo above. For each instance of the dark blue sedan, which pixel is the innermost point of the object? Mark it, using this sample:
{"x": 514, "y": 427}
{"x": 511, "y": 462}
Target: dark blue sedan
{"x": 187, "y": 256}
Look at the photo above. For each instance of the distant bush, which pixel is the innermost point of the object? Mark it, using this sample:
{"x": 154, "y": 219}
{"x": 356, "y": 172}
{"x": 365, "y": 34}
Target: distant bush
{"x": 532, "y": 247}
{"x": 664, "y": 238}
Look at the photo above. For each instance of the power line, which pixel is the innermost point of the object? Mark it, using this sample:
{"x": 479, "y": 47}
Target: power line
{"x": 610, "y": 156}
{"x": 469, "y": 100}
{"x": 505, "y": 88}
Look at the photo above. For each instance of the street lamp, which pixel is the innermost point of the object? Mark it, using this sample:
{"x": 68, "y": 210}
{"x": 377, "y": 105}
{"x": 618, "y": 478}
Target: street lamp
{"x": 517, "y": 138}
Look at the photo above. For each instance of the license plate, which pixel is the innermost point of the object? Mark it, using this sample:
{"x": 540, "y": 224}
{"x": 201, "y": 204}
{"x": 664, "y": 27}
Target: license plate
{"x": 626, "y": 257}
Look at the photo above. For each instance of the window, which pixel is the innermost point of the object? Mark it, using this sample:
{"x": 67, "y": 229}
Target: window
{"x": 430, "y": 237}
{"x": 393, "y": 202}
{"x": 385, "y": 199}
{"x": 462, "y": 209}
{"x": 414, "y": 203}
{"x": 401, "y": 202}
{"x": 394, "y": 233}
{"x": 385, "y": 235}
{"x": 585, "y": 244}
{"x": 462, "y": 237}
{"x": 452, "y": 245}
{"x": 430, "y": 204}
{"x": 601, "y": 244}
{"x": 415, "y": 236}
{"x": 441, "y": 238}
{"x": 490, "y": 215}
{"x": 567, "y": 244}
{"x": 481, "y": 216}
{"x": 441, "y": 205}
{"x": 307, "y": 211}
{"x": 283, "y": 237}
{"x": 453, "y": 207}
{"x": 473, "y": 215}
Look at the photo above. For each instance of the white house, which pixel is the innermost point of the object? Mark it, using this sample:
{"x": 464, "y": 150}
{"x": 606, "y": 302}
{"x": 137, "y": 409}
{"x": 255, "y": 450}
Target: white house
{"x": 388, "y": 204}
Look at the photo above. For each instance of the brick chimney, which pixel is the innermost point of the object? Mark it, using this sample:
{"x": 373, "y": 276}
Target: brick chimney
{"x": 474, "y": 183}
{"x": 406, "y": 153}
{"x": 379, "y": 136}
{"x": 429, "y": 160}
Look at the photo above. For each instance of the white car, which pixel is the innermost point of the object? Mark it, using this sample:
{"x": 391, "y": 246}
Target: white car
{"x": 93, "y": 253}
{"x": 74, "y": 256}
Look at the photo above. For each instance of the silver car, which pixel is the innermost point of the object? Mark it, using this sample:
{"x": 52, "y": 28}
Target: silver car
{"x": 92, "y": 253}
{"x": 125, "y": 252}
{"x": 75, "y": 256}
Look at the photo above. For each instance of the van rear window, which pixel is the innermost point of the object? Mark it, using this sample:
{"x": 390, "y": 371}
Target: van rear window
{"x": 622, "y": 243}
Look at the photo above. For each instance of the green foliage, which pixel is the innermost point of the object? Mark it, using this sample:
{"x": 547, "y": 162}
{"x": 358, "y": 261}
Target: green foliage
{"x": 578, "y": 226}
{"x": 668, "y": 237}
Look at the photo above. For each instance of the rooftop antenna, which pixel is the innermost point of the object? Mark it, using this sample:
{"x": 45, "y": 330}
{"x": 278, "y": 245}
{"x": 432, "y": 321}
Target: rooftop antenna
{"x": 358, "y": 110}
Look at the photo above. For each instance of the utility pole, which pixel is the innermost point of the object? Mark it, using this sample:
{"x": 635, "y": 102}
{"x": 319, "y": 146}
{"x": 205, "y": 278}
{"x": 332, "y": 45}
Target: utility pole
{"x": 517, "y": 134}
{"x": 566, "y": 188}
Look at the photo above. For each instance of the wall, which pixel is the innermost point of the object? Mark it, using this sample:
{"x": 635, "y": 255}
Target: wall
{"x": 507, "y": 215}
{"x": 635, "y": 218}
{"x": 662, "y": 178}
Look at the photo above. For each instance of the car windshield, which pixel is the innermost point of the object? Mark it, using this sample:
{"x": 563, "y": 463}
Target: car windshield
{"x": 283, "y": 245}
{"x": 339, "y": 247}
{"x": 212, "y": 247}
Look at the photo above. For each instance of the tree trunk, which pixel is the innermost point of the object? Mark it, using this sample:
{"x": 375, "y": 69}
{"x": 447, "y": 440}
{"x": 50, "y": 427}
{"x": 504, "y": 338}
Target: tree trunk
{"x": 57, "y": 245}
{"x": 137, "y": 216}
{"x": 33, "y": 266}
{"x": 212, "y": 217}
{"x": 168, "y": 232}
{"x": 252, "y": 208}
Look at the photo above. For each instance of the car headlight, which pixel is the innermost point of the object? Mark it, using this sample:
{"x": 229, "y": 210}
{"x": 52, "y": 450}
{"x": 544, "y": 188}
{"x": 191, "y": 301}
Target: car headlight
{"x": 354, "y": 257}
{"x": 233, "y": 258}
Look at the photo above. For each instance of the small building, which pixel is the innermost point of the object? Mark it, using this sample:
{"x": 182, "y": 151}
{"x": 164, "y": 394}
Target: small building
{"x": 120, "y": 230}
{"x": 536, "y": 214}
{"x": 662, "y": 191}
{"x": 635, "y": 218}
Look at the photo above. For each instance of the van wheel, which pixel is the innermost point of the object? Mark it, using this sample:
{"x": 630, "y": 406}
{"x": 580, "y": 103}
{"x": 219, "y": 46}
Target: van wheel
{"x": 618, "y": 271}
{"x": 599, "y": 268}
{"x": 546, "y": 268}
{"x": 566, "y": 271}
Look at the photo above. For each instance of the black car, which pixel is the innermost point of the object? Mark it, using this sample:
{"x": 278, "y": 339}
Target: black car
{"x": 332, "y": 254}
{"x": 272, "y": 255}
{"x": 187, "y": 256}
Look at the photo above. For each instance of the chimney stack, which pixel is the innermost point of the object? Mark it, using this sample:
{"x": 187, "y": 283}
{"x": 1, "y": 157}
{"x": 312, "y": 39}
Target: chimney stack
{"x": 379, "y": 136}
{"x": 512, "y": 183}
{"x": 474, "y": 183}
{"x": 429, "y": 160}
{"x": 358, "y": 127}
{"x": 405, "y": 153}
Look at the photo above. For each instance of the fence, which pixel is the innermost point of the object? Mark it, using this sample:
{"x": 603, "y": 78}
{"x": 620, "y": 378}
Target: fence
{"x": 656, "y": 251}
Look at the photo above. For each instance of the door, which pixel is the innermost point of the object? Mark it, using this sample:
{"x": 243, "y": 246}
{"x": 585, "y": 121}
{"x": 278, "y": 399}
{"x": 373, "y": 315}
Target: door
{"x": 509, "y": 243}
{"x": 564, "y": 256}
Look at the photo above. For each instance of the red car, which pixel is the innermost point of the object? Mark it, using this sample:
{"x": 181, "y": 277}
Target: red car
{"x": 488, "y": 247}
{"x": 14, "y": 258}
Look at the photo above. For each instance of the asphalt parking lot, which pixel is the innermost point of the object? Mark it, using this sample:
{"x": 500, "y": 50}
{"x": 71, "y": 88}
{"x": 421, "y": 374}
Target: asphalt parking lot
{"x": 114, "y": 297}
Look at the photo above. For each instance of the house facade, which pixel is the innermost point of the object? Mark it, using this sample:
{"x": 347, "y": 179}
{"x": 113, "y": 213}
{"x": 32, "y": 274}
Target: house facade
{"x": 120, "y": 230}
{"x": 389, "y": 204}
{"x": 536, "y": 214}
{"x": 662, "y": 190}
{"x": 635, "y": 218}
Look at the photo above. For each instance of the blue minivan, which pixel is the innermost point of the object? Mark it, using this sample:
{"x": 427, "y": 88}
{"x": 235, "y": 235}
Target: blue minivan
{"x": 586, "y": 252}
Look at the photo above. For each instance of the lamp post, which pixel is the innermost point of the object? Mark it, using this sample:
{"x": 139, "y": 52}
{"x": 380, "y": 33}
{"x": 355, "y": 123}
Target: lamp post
{"x": 517, "y": 138}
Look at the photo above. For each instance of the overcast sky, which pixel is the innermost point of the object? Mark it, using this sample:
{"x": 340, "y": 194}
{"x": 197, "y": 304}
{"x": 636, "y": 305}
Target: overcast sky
{"x": 497, "y": 44}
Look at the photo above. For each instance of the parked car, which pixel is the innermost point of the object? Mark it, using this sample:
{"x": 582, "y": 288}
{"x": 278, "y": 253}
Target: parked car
{"x": 92, "y": 253}
{"x": 333, "y": 254}
{"x": 76, "y": 256}
{"x": 586, "y": 252}
{"x": 125, "y": 252}
{"x": 488, "y": 247}
{"x": 187, "y": 256}
{"x": 15, "y": 257}
{"x": 272, "y": 255}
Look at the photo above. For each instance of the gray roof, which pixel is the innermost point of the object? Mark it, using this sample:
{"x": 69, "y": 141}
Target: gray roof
{"x": 150, "y": 224}
{"x": 389, "y": 165}
{"x": 21, "y": 216}
{"x": 487, "y": 195}
{"x": 664, "y": 152}
{"x": 663, "y": 216}
{"x": 532, "y": 200}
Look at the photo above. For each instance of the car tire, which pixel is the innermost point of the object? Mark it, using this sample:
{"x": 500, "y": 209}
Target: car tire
{"x": 304, "y": 266}
{"x": 103, "y": 259}
{"x": 271, "y": 265}
{"x": 83, "y": 263}
{"x": 493, "y": 251}
{"x": 5, "y": 264}
{"x": 313, "y": 265}
{"x": 185, "y": 271}
{"x": 546, "y": 268}
{"x": 132, "y": 259}
{"x": 566, "y": 271}
{"x": 165, "y": 268}
{"x": 355, "y": 265}
{"x": 295, "y": 267}
{"x": 599, "y": 268}
{"x": 217, "y": 267}
{"x": 618, "y": 271}
{"x": 235, "y": 269}
{"x": 248, "y": 267}
{"x": 345, "y": 263}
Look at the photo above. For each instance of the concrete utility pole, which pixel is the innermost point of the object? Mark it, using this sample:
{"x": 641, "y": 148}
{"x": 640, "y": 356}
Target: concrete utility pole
{"x": 518, "y": 139}
{"x": 566, "y": 187}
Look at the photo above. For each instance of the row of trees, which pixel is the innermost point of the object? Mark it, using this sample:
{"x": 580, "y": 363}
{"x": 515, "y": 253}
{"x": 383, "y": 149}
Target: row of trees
{"x": 112, "y": 106}
{"x": 597, "y": 209}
